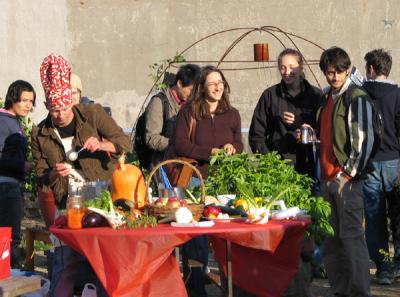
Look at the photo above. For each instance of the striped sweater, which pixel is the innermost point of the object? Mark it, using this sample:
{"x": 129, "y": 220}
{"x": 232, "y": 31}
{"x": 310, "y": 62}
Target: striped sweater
{"x": 353, "y": 135}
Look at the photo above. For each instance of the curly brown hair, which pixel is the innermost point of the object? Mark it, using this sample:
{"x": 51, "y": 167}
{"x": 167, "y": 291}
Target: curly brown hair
{"x": 197, "y": 100}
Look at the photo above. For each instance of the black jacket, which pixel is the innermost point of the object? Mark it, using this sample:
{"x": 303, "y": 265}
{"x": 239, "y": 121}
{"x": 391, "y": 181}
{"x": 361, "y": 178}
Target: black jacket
{"x": 269, "y": 133}
{"x": 386, "y": 98}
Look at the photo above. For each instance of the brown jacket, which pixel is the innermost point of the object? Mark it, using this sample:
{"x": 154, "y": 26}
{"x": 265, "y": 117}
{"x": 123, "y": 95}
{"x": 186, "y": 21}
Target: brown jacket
{"x": 47, "y": 149}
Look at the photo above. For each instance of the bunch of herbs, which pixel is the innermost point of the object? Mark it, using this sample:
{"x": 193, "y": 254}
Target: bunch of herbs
{"x": 269, "y": 177}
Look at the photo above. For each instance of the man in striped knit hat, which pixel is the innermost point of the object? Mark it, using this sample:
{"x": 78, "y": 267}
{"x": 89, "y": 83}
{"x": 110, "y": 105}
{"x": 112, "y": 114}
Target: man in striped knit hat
{"x": 67, "y": 128}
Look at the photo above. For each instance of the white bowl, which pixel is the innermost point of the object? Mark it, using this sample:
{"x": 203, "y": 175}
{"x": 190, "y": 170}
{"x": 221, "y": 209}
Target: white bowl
{"x": 224, "y": 199}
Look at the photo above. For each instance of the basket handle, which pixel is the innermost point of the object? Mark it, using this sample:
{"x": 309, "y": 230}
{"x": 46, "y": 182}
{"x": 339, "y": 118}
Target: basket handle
{"x": 158, "y": 166}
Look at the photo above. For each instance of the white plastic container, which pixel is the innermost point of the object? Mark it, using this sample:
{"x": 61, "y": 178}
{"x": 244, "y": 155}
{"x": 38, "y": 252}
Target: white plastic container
{"x": 225, "y": 198}
{"x": 89, "y": 290}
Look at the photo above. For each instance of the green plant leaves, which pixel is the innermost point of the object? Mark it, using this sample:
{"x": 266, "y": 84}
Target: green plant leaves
{"x": 269, "y": 177}
{"x": 158, "y": 69}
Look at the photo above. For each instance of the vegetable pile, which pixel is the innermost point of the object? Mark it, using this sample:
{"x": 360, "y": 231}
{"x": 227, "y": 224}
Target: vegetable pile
{"x": 119, "y": 214}
{"x": 103, "y": 201}
{"x": 260, "y": 179}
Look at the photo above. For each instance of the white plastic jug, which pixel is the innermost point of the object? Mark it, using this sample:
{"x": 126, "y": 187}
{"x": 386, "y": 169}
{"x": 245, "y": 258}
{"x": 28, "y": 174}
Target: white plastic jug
{"x": 89, "y": 290}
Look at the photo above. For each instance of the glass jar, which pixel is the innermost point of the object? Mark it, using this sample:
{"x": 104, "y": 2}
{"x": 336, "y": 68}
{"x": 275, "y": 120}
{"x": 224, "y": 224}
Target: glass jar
{"x": 75, "y": 212}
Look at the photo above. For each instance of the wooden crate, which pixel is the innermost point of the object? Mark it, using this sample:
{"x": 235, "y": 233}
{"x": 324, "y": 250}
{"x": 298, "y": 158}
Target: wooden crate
{"x": 18, "y": 285}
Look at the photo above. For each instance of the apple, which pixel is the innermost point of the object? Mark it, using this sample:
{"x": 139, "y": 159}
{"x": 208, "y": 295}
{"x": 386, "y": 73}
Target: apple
{"x": 161, "y": 202}
{"x": 173, "y": 202}
{"x": 183, "y": 202}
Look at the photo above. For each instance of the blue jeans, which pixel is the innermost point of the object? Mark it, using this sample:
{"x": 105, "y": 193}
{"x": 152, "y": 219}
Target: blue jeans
{"x": 11, "y": 215}
{"x": 378, "y": 185}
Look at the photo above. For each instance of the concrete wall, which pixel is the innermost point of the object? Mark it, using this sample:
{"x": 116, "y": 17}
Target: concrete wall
{"x": 111, "y": 43}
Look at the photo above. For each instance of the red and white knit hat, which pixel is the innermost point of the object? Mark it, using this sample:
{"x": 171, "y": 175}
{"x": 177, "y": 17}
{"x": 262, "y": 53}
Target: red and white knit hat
{"x": 55, "y": 73}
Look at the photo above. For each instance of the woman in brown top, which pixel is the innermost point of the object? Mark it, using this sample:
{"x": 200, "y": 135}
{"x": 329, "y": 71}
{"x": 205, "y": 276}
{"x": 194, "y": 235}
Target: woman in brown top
{"x": 217, "y": 126}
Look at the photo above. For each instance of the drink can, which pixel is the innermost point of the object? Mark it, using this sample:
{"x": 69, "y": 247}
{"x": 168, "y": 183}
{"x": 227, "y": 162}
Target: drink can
{"x": 305, "y": 135}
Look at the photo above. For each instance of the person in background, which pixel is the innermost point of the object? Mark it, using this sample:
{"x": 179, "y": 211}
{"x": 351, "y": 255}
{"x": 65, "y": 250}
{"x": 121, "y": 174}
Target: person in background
{"x": 162, "y": 110}
{"x": 280, "y": 112}
{"x": 67, "y": 128}
{"x": 379, "y": 184}
{"x": 19, "y": 101}
{"x": 218, "y": 126}
{"x": 76, "y": 95}
{"x": 284, "y": 108}
{"x": 345, "y": 147}
{"x": 76, "y": 91}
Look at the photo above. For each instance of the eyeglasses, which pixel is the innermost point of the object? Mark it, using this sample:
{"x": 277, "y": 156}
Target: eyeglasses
{"x": 216, "y": 84}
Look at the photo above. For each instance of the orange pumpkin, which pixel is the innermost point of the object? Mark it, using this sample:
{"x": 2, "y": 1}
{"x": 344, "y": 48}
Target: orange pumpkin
{"x": 127, "y": 182}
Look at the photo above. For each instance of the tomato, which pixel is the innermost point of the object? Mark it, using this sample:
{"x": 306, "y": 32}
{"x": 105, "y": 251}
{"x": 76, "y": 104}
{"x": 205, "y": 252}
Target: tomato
{"x": 211, "y": 211}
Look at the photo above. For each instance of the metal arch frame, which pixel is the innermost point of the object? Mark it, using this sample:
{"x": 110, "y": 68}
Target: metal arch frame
{"x": 272, "y": 30}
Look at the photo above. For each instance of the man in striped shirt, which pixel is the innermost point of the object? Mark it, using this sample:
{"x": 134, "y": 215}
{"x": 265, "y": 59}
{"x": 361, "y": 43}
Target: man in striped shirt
{"x": 346, "y": 135}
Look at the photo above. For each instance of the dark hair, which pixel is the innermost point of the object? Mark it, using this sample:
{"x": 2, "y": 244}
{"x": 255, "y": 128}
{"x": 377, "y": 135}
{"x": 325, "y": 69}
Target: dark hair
{"x": 14, "y": 93}
{"x": 199, "y": 106}
{"x": 380, "y": 60}
{"x": 336, "y": 57}
{"x": 187, "y": 74}
{"x": 290, "y": 52}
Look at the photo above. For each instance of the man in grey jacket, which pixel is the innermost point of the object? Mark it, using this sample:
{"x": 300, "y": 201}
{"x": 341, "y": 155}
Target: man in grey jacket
{"x": 162, "y": 111}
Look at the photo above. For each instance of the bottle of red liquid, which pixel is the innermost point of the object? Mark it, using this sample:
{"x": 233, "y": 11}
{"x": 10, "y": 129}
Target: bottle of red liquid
{"x": 75, "y": 212}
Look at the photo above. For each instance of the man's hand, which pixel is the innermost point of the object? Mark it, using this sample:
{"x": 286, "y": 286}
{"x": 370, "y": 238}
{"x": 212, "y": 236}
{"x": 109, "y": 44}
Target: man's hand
{"x": 93, "y": 144}
{"x": 61, "y": 170}
{"x": 288, "y": 117}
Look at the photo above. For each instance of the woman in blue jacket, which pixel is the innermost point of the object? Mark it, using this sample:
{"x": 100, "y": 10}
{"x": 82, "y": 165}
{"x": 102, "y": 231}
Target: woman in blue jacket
{"x": 19, "y": 101}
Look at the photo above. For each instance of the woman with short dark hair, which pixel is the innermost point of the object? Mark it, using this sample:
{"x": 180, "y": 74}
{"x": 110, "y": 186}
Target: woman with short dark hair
{"x": 19, "y": 101}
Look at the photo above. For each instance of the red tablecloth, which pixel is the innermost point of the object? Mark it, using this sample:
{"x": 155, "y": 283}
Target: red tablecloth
{"x": 140, "y": 262}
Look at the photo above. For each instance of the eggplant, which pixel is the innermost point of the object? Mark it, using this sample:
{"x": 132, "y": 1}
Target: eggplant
{"x": 93, "y": 219}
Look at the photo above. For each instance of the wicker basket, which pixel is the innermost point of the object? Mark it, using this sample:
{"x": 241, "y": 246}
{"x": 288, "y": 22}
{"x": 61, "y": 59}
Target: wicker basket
{"x": 163, "y": 211}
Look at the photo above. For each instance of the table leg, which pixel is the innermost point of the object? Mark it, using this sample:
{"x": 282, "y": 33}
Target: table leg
{"x": 229, "y": 285}
{"x": 30, "y": 238}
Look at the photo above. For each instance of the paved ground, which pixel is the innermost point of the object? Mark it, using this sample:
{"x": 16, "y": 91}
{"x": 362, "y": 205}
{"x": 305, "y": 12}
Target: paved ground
{"x": 320, "y": 287}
